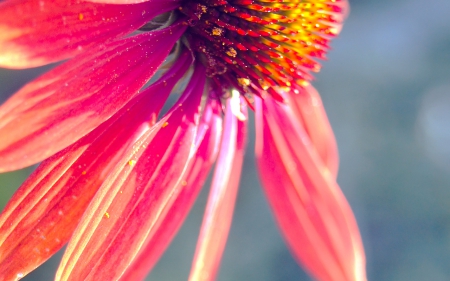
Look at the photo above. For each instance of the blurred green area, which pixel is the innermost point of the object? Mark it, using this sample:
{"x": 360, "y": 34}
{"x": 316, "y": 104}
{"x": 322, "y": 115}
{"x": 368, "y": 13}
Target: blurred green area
{"x": 386, "y": 88}
{"x": 9, "y": 182}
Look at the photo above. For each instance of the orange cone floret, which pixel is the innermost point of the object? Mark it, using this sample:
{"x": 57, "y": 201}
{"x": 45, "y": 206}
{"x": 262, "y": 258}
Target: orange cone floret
{"x": 261, "y": 44}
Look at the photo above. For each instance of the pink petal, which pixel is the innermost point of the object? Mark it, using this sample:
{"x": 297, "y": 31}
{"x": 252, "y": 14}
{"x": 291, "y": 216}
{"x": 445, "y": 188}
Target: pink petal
{"x": 307, "y": 105}
{"x": 38, "y": 32}
{"x": 67, "y": 103}
{"x": 136, "y": 195}
{"x": 42, "y": 215}
{"x": 195, "y": 175}
{"x": 219, "y": 210}
{"x": 311, "y": 210}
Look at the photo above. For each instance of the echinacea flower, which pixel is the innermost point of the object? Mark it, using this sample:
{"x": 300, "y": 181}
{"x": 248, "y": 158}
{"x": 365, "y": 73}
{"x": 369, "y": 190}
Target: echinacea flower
{"x": 117, "y": 179}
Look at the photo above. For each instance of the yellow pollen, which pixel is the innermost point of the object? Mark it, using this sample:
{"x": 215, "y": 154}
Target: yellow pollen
{"x": 83, "y": 173}
{"x": 231, "y": 52}
{"x": 164, "y": 124}
{"x": 80, "y": 16}
{"x": 132, "y": 162}
{"x": 264, "y": 84}
{"x": 243, "y": 81}
{"x": 304, "y": 83}
{"x": 106, "y": 215}
{"x": 217, "y": 31}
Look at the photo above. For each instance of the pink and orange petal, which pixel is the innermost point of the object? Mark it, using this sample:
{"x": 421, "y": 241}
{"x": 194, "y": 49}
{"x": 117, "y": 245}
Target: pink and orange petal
{"x": 39, "y": 32}
{"x": 220, "y": 206}
{"x": 48, "y": 206}
{"x": 71, "y": 100}
{"x": 132, "y": 202}
{"x": 194, "y": 177}
{"x": 311, "y": 210}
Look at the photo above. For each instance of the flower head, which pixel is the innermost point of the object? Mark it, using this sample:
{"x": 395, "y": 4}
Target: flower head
{"x": 118, "y": 178}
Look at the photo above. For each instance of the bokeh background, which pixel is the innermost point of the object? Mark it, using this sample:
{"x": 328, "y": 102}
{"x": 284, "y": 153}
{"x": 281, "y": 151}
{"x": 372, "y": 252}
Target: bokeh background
{"x": 386, "y": 88}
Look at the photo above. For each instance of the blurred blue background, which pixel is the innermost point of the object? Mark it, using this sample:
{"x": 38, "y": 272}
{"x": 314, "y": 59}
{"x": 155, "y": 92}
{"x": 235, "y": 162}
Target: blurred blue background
{"x": 386, "y": 89}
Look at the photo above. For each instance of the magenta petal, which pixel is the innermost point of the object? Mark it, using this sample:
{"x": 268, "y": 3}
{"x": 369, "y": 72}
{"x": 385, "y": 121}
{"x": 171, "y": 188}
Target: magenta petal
{"x": 311, "y": 210}
{"x": 67, "y": 103}
{"x": 219, "y": 210}
{"x": 307, "y": 104}
{"x": 136, "y": 195}
{"x": 194, "y": 177}
{"x": 42, "y": 215}
{"x": 38, "y": 32}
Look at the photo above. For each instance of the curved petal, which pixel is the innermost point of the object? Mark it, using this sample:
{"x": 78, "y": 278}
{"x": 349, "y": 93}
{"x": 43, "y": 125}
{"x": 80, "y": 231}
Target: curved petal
{"x": 311, "y": 210}
{"x": 138, "y": 192}
{"x": 68, "y": 102}
{"x": 38, "y": 32}
{"x": 194, "y": 178}
{"x": 42, "y": 215}
{"x": 307, "y": 104}
{"x": 219, "y": 210}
